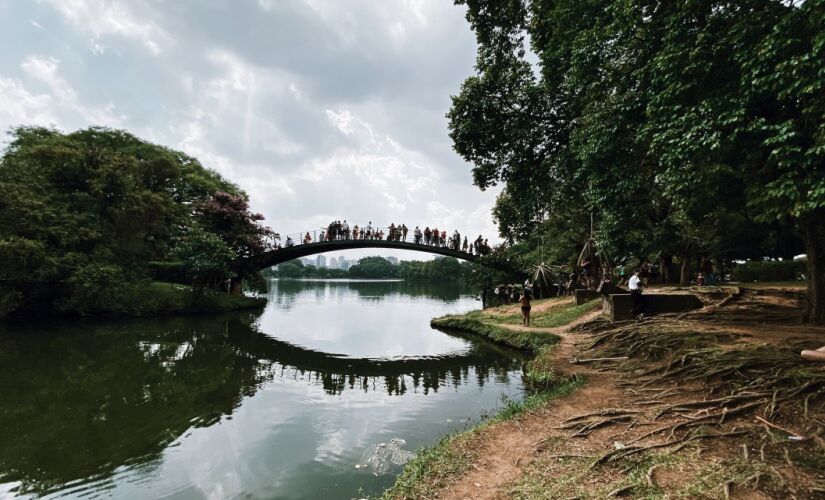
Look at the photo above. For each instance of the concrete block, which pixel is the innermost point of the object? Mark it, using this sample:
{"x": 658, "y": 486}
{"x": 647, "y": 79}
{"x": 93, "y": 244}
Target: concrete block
{"x": 585, "y": 295}
{"x": 618, "y": 307}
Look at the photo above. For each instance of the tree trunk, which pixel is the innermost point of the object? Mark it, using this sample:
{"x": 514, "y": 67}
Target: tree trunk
{"x": 664, "y": 272}
{"x": 684, "y": 279}
{"x": 813, "y": 229}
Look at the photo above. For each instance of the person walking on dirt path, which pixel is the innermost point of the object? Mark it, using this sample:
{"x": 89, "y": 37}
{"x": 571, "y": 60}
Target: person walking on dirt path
{"x": 635, "y": 286}
{"x": 525, "y": 308}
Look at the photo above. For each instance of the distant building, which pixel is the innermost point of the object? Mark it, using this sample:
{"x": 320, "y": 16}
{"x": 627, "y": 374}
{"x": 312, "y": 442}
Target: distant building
{"x": 393, "y": 260}
{"x": 333, "y": 263}
{"x": 343, "y": 263}
{"x": 320, "y": 261}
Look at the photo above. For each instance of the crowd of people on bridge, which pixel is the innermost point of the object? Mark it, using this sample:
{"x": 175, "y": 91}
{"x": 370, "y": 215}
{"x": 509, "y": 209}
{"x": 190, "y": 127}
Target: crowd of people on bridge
{"x": 341, "y": 230}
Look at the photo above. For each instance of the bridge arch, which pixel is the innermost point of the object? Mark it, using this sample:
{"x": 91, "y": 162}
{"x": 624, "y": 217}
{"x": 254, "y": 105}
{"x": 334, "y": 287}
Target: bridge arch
{"x": 313, "y": 246}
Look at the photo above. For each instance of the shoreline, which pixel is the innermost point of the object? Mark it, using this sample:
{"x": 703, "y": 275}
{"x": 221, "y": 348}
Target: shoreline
{"x": 668, "y": 409}
{"x": 433, "y": 466}
{"x": 156, "y": 299}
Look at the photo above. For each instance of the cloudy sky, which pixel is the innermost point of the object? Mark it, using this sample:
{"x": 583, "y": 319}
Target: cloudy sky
{"x": 319, "y": 109}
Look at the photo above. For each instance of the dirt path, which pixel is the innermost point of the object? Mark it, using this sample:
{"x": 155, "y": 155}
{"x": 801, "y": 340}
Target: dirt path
{"x": 508, "y": 447}
{"x": 512, "y": 450}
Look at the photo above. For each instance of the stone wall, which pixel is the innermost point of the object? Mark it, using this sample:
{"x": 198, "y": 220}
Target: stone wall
{"x": 618, "y": 307}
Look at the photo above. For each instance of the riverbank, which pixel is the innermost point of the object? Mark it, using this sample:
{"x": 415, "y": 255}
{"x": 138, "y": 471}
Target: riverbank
{"x": 676, "y": 417}
{"x": 161, "y": 299}
{"x": 434, "y": 468}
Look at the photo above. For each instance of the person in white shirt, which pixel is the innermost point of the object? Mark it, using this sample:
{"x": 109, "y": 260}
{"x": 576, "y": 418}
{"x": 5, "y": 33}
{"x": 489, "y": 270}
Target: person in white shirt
{"x": 635, "y": 287}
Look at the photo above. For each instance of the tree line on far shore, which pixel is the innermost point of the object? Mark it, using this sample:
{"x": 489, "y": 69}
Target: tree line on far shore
{"x": 439, "y": 269}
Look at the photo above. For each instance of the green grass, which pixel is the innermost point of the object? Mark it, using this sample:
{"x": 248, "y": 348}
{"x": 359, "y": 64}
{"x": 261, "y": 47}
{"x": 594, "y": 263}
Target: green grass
{"x": 559, "y": 315}
{"x": 531, "y": 340}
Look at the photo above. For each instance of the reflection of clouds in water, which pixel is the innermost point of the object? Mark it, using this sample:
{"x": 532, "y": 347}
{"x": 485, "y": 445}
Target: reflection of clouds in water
{"x": 219, "y": 407}
{"x": 363, "y": 318}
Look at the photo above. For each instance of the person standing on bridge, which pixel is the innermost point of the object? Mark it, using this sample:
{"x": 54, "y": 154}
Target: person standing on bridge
{"x": 345, "y": 228}
{"x": 427, "y": 235}
{"x": 404, "y": 231}
{"x": 417, "y": 235}
{"x": 355, "y": 232}
{"x": 307, "y": 238}
{"x": 464, "y": 246}
{"x": 369, "y": 230}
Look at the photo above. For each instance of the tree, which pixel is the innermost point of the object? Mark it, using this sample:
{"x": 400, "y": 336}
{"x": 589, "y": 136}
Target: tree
{"x": 671, "y": 122}
{"x": 374, "y": 268}
{"x": 97, "y": 205}
{"x": 205, "y": 257}
{"x": 228, "y": 215}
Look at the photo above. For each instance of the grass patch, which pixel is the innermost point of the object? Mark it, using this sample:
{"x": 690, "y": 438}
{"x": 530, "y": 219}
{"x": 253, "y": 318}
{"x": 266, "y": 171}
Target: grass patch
{"x": 552, "y": 317}
{"x": 433, "y": 467}
{"x": 531, "y": 340}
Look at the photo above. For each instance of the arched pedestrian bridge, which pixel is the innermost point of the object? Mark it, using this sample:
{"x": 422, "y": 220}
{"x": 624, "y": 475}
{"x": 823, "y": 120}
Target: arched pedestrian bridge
{"x": 298, "y": 245}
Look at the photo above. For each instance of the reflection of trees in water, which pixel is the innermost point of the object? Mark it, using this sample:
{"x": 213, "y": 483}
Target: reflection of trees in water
{"x": 482, "y": 361}
{"x": 283, "y": 292}
{"x": 83, "y": 399}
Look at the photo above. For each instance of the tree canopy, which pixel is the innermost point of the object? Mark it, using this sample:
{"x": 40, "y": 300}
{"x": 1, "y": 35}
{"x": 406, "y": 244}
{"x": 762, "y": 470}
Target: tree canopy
{"x": 685, "y": 128}
{"x": 83, "y": 214}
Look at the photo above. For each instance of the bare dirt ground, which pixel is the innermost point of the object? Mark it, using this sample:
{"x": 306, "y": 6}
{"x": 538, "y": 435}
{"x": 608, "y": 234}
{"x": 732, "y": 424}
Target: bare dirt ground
{"x": 705, "y": 444}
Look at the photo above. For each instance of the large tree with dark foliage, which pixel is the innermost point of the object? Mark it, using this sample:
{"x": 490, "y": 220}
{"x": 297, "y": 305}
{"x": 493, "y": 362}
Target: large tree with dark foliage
{"x": 685, "y": 127}
{"x": 82, "y": 215}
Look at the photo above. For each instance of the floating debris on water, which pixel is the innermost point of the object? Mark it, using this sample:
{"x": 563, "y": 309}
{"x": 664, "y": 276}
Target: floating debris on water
{"x": 385, "y": 455}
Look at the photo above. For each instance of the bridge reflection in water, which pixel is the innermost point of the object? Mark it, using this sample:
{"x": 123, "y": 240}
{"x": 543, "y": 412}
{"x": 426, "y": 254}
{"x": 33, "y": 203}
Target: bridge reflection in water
{"x": 81, "y": 401}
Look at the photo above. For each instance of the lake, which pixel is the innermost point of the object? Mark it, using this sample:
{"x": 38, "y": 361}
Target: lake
{"x": 323, "y": 394}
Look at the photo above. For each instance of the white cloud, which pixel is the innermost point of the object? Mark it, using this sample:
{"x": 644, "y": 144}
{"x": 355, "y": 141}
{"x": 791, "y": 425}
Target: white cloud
{"x": 62, "y": 99}
{"x": 102, "y": 18}
{"x": 320, "y": 110}
{"x": 44, "y": 69}
{"x": 19, "y": 106}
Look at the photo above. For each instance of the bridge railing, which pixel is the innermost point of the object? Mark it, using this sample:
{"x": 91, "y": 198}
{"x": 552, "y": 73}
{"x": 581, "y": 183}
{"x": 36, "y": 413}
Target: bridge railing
{"x": 376, "y": 233}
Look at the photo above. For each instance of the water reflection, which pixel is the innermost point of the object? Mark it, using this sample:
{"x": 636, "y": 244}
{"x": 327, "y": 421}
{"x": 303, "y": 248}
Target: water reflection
{"x": 98, "y": 406}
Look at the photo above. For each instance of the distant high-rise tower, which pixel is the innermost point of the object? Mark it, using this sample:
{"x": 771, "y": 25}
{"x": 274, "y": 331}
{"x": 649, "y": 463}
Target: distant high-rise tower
{"x": 333, "y": 263}
{"x": 320, "y": 261}
{"x": 393, "y": 260}
{"x": 343, "y": 263}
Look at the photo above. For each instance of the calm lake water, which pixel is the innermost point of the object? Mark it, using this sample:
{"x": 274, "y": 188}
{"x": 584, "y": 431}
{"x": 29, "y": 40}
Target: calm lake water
{"x": 320, "y": 395}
